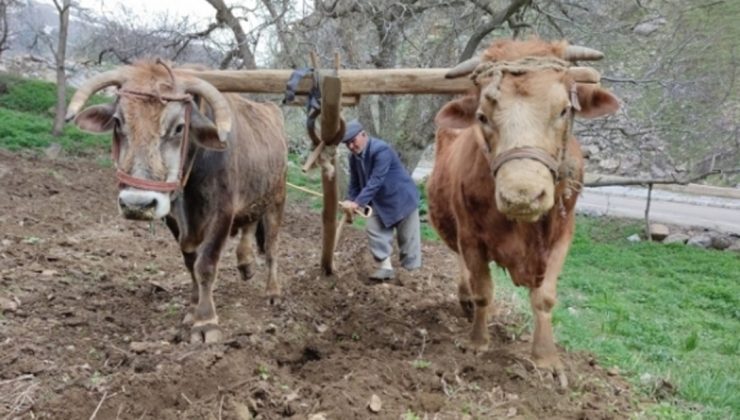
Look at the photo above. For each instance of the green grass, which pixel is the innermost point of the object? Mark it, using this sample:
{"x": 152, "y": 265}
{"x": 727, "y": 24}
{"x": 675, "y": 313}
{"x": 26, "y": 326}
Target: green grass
{"x": 32, "y": 96}
{"x": 26, "y": 117}
{"x": 659, "y": 312}
{"x": 22, "y": 130}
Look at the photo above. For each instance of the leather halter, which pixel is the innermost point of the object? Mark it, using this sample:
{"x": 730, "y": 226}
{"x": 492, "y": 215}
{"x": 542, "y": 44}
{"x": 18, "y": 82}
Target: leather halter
{"x": 527, "y": 152}
{"x": 496, "y": 71}
{"x": 125, "y": 179}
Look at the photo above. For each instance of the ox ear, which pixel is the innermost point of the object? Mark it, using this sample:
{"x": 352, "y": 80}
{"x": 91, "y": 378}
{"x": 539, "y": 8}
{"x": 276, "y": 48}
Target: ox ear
{"x": 459, "y": 113}
{"x": 595, "y": 101}
{"x": 96, "y": 119}
{"x": 204, "y": 132}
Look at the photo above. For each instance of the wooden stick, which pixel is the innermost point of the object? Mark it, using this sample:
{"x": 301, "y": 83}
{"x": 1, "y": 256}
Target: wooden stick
{"x": 311, "y": 160}
{"x": 221, "y": 408}
{"x": 647, "y": 213}
{"x": 95, "y": 413}
{"x": 338, "y": 233}
{"x": 315, "y": 61}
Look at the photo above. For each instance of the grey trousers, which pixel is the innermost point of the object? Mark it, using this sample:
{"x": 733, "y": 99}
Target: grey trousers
{"x": 409, "y": 239}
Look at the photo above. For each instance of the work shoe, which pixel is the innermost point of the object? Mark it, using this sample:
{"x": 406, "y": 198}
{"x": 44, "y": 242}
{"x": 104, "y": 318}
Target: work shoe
{"x": 382, "y": 274}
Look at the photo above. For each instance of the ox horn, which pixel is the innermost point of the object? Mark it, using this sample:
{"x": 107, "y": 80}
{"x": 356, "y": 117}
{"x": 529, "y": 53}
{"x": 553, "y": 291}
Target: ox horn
{"x": 584, "y": 74}
{"x": 577, "y": 52}
{"x": 221, "y": 112}
{"x": 463, "y": 69}
{"x": 103, "y": 80}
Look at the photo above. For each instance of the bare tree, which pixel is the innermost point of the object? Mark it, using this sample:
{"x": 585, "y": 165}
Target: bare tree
{"x": 60, "y": 55}
{"x": 5, "y": 7}
{"x": 119, "y": 40}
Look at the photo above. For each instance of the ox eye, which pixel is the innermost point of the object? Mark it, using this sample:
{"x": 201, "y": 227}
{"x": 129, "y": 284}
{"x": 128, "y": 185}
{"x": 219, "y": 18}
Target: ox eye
{"x": 564, "y": 112}
{"x": 482, "y": 118}
{"x": 179, "y": 129}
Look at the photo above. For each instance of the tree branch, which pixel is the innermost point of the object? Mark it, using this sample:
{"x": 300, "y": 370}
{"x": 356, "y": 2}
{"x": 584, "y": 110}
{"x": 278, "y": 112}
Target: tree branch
{"x": 495, "y": 22}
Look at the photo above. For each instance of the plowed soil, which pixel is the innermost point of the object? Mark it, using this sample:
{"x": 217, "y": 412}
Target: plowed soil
{"x": 92, "y": 304}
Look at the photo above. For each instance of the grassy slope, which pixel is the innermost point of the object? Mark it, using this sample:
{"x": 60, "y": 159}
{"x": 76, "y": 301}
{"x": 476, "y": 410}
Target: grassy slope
{"x": 26, "y": 117}
{"x": 667, "y": 315}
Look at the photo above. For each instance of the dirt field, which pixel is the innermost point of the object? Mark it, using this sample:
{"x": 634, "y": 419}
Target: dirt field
{"x": 91, "y": 317}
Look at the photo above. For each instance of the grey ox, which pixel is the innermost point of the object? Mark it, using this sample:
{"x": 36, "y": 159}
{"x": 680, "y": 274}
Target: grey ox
{"x": 211, "y": 164}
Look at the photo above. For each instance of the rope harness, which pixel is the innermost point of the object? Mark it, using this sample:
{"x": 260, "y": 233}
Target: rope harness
{"x": 125, "y": 179}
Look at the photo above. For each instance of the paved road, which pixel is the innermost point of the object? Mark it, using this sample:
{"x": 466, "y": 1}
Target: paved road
{"x": 721, "y": 214}
{"x": 717, "y": 213}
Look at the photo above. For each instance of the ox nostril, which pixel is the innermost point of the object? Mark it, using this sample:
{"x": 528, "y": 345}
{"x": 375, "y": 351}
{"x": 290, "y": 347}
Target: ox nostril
{"x": 540, "y": 197}
{"x": 151, "y": 204}
{"x": 504, "y": 200}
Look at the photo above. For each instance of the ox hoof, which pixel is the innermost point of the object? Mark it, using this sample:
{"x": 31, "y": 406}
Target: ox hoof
{"x": 208, "y": 333}
{"x": 246, "y": 271}
{"x": 188, "y": 318}
{"x": 467, "y": 308}
{"x": 274, "y": 299}
{"x": 562, "y": 379}
{"x": 555, "y": 367}
{"x": 478, "y": 347}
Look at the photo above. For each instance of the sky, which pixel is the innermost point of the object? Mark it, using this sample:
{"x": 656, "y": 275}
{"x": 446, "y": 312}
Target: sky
{"x": 145, "y": 9}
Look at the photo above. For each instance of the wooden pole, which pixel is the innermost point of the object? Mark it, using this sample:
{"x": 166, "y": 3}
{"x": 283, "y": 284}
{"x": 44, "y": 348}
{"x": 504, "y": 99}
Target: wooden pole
{"x": 354, "y": 82}
{"x": 331, "y": 108}
{"x": 647, "y": 212}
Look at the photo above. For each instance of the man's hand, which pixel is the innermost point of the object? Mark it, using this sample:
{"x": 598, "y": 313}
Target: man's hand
{"x": 349, "y": 206}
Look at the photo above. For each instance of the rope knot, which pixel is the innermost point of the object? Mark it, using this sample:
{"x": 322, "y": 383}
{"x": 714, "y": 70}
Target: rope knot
{"x": 491, "y": 72}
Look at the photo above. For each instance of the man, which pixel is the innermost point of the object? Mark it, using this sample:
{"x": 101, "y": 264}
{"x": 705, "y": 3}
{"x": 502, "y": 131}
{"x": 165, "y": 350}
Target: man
{"x": 379, "y": 180}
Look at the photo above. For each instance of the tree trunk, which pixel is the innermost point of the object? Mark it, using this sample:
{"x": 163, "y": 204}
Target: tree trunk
{"x": 4, "y": 4}
{"x": 60, "y": 56}
{"x": 226, "y": 17}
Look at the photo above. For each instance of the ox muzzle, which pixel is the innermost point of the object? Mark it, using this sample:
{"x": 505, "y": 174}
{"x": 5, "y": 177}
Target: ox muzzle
{"x": 525, "y": 183}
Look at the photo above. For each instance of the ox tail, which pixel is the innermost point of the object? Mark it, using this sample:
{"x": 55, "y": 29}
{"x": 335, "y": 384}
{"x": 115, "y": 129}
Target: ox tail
{"x": 260, "y": 235}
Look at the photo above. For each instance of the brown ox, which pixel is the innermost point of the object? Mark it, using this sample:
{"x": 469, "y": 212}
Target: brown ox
{"x": 507, "y": 173}
{"x": 209, "y": 175}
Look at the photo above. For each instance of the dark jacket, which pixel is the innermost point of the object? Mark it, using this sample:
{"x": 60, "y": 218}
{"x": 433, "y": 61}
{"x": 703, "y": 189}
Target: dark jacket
{"x": 378, "y": 179}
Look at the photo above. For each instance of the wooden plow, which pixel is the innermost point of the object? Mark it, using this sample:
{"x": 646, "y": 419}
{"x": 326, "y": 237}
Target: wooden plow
{"x": 338, "y": 88}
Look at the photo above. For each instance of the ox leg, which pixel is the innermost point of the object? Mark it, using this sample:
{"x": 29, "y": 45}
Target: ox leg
{"x": 245, "y": 251}
{"x": 205, "y": 320}
{"x": 542, "y": 299}
{"x": 272, "y": 221}
{"x": 481, "y": 289}
{"x": 463, "y": 289}
{"x": 189, "y": 258}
